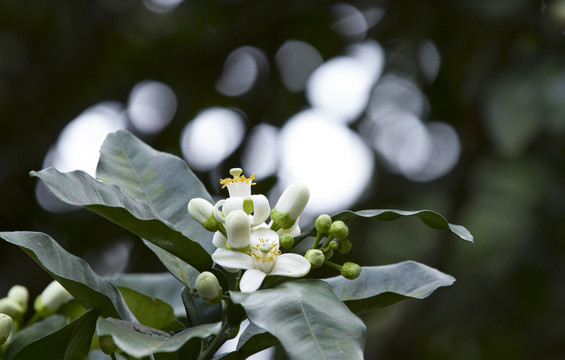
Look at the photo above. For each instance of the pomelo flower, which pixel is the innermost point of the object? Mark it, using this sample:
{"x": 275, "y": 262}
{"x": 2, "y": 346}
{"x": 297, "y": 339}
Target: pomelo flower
{"x": 290, "y": 205}
{"x": 264, "y": 258}
{"x": 239, "y": 187}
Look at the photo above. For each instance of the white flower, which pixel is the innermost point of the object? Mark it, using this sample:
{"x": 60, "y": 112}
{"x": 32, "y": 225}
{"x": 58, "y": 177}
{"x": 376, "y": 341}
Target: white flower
{"x": 238, "y": 229}
{"x": 290, "y": 205}
{"x": 263, "y": 259}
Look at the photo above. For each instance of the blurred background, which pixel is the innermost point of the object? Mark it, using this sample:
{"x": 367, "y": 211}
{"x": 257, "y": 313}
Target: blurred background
{"x": 454, "y": 106}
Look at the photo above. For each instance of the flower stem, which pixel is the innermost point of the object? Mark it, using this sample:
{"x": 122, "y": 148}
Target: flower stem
{"x": 333, "y": 265}
{"x": 217, "y": 342}
{"x": 319, "y": 237}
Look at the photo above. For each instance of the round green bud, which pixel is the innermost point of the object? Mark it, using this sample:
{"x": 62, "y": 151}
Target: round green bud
{"x": 20, "y": 294}
{"x": 323, "y": 223}
{"x": 339, "y": 230}
{"x": 286, "y": 240}
{"x": 6, "y": 325}
{"x": 316, "y": 257}
{"x": 350, "y": 270}
{"x": 334, "y": 245}
{"x": 107, "y": 344}
{"x": 208, "y": 287}
{"x": 344, "y": 246}
{"x": 11, "y": 308}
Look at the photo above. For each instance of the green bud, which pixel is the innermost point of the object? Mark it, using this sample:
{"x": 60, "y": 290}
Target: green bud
{"x": 334, "y": 245}
{"x": 339, "y": 230}
{"x": 350, "y": 270}
{"x": 316, "y": 257}
{"x": 107, "y": 344}
{"x": 11, "y": 308}
{"x": 286, "y": 240}
{"x": 6, "y": 325}
{"x": 323, "y": 223}
{"x": 20, "y": 294}
{"x": 344, "y": 246}
{"x": 208, "y": 287}
{"x": 51, "y": 299}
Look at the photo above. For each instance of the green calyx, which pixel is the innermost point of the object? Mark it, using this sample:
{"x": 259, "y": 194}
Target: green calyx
{"x": 282, "y": 219}
{"x": 211, "y": 224}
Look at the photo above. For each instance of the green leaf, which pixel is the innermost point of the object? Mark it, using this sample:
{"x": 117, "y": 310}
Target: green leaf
{"x": 32, "y": 333}
{"x": 139, "y": 340}
{"x": 110, "y": 201}
{"x": 70, "y": 342}
{"x": 430, "y": 218}
{"x": 255, "y": 339}
{"x": 198, "y": 311}
{"x": 307, "y": 318}
{"x": 161, "y": 286}
{"x": 91, "y": 290}
{"x": 162, "y": 180}
{"x": 379, "y": 286}
{"x": 149, "y": 311}
{"x": 185, "y": 273}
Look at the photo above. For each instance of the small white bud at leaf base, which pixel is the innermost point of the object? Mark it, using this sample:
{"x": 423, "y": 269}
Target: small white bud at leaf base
{"x": 20, "y": 294}
{"x": 238, "y": 229}
{"x": 208, "y": 287}
{"x": 6, "y": 325}
{"x": 11, "y": 308}
{"x": 203, "y": 212}
{"x": 290, "y": 205}
{"x": 51, "y": 299}
{"x": 315, "y": 257}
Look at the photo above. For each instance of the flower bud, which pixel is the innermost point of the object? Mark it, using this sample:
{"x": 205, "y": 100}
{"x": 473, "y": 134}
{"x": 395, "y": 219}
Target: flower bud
{"x": 290, "y": 205}
{"x": 11, "y": 308}
{"x": 238, "y": 229}
{"x": 323, "y": 223}
{"x": 107, "y": 344}
{"x": 208, "y": 287}
{"x": 286, "y": 240}
{"x": 334, "y": 245}
{"x": 315, "y": 257}
{"x": 344, "y": 246}
{"x": 203, "y": 212}
{"x": 350, "y": 270}
{"x": 6, "y": 325}
{"x": 339, "y": 230}
{"x": 51, "y": 299}
{"x": 20, "y": 294}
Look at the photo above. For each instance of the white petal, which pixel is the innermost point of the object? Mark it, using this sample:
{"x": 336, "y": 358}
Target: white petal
{"x": 251, "y": 280}
{"x": 232, "y": 204}
{"x": 232, "y": 259}
{"x": 294, "y": 230}
{"x": 293, "y": 200}
{"x": 237, "y": 229}
{"x": 261, "y": 209}
{"x": 217, "y": 214}
{"x": 219, "y": 240}
{"x": 292, "y": 265}
{"x": 265, "y": 234}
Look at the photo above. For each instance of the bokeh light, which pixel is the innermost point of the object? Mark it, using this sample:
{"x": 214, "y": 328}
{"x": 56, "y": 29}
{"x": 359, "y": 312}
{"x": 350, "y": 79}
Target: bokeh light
{"x": 151, "y": 106}
{"x": 211, "y": 137}
{"x": 295, "y": 61}
{"x": 242, "y": 69}
{"x": 161, "y": 6}
{"x": 332, "y": 160}
{"x": 261, "y": 152}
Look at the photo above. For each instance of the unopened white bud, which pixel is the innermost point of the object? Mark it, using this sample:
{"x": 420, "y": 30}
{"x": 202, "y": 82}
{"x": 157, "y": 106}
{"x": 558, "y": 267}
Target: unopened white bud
{"x": 20, "y": 294}
{"x": 51, "y": 299}
{"x": 203, "y": 212}
{"x": 6, "y": 325}
{"x": 238, "y": 229}
{"x": 208, "y": 287}
{"x": 290, "y": 205}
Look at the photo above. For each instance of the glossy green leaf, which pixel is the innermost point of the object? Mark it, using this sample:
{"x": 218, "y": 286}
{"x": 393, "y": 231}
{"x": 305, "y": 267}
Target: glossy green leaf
{"x": 70, "y": 342}
{"x": 430, "y": 218}
{"x": 32, "y": 333}
{"x": 162, "y": 180}
{"x": 178, "y": 268}
{"x": 255, "y": 339}
{"x": 150, "y": 311}
{"x": 161, "y": 286}
{"x": 307, "y": 318}
{"x": 110, "y": 201}
{"x": 139, "y": 340}
{"x": 91, "y": 290}
{"x": 379, "y": 286}
{"x": 198, "y": 311}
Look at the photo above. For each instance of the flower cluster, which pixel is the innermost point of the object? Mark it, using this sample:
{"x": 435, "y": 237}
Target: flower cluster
{"x": 242, "y": 236}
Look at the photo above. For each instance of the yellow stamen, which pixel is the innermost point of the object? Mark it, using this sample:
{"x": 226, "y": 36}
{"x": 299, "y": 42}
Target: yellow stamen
{"x": 237, "y": 179}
